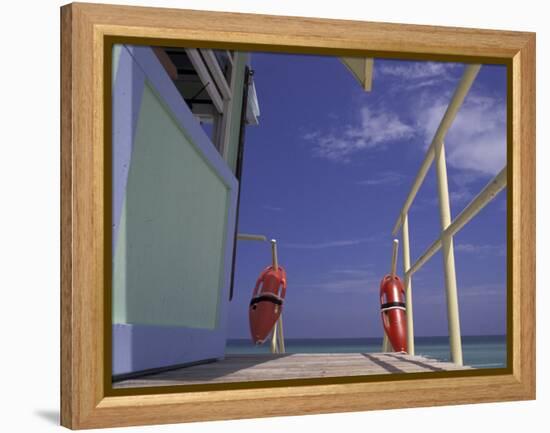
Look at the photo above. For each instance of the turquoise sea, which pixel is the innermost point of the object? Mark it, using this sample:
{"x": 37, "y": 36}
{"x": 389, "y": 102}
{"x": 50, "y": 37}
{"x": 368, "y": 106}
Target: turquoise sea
{"x": 487, "y": 351}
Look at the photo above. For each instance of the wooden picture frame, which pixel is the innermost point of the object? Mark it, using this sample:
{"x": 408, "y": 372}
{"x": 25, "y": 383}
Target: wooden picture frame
{"x": 87, "y": 34}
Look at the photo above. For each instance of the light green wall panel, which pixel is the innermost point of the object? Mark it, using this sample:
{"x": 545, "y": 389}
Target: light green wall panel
{"x": 115, "y": 60}
{"x": 119, "y": 271}
{"x": 169, "y": 256}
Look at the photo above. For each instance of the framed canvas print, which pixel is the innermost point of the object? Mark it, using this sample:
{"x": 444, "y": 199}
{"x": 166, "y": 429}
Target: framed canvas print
{"x": 268, "y": 216}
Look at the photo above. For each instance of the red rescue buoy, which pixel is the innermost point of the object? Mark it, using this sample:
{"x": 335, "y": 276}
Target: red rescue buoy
{"x": 267, "y": 303}
{"x": 393, "y": 311}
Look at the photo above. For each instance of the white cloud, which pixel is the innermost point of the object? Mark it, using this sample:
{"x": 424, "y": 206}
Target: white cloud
{"x": 437, "y": 296}
{"x": 384, "y": 178}
{"x": 373, "y": 130}
{"x": 464, "y": 178}
{"x": 482, "y": 290}
{"x": 476, "y": 142}
{"x": 414, "y": 75}
{"x": 462, "y": 195}
{"x": 415, "y": 70}
{"x": 328, "y": 244}
{"x": 355, "y": 272}
{"x": 481, "y": 249}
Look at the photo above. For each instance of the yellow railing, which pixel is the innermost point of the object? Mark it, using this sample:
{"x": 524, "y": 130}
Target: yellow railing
{"x": 436, "y": 152}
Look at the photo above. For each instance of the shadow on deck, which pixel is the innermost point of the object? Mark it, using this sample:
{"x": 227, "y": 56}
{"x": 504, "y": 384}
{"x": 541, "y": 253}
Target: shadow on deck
{"x": 257, "y": 367}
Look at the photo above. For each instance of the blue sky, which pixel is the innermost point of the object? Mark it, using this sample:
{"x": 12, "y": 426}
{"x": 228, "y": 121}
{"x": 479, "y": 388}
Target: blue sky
{"x": 327, "y": 171}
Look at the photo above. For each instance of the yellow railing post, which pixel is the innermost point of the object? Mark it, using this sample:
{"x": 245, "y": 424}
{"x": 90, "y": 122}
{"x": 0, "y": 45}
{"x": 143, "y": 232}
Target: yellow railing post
{"x": 395, "y": 248}
{"x": 448, "y": 255}
{"x": 408, "y": 285}
{"x": 275, "y": 260}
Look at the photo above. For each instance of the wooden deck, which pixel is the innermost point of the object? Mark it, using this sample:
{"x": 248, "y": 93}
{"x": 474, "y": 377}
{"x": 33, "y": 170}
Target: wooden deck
{"x": 244, "y": 368}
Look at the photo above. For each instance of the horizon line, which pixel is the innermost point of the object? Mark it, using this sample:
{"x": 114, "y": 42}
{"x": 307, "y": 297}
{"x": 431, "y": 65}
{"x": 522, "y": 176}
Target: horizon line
{"x": 378, "y": 337}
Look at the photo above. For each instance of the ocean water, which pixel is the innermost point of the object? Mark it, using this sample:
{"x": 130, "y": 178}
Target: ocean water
{"x": 485, "y": 351}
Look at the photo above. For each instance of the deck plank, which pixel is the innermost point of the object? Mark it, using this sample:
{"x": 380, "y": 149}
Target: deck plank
{"x": 258, "y": 367}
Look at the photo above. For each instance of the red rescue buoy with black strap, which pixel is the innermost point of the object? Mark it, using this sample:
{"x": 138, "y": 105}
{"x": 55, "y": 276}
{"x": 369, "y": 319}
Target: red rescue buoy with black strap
{"x": 393, "y": 311}
{"x": 266, "y": 304}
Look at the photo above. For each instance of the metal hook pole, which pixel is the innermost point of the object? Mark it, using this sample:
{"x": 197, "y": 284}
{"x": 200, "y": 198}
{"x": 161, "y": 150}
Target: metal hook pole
{"x": 394, "y": 257}
{"x": 274, "y": 255}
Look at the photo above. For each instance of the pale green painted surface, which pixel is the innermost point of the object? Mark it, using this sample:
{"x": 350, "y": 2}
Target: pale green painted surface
{"x": 119, "y": 278}
{"x": 241, "y": 60}
{"x": 169, "y": 253}
{"x": 114, "y": 61}
{"x": 119, "y": 291}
